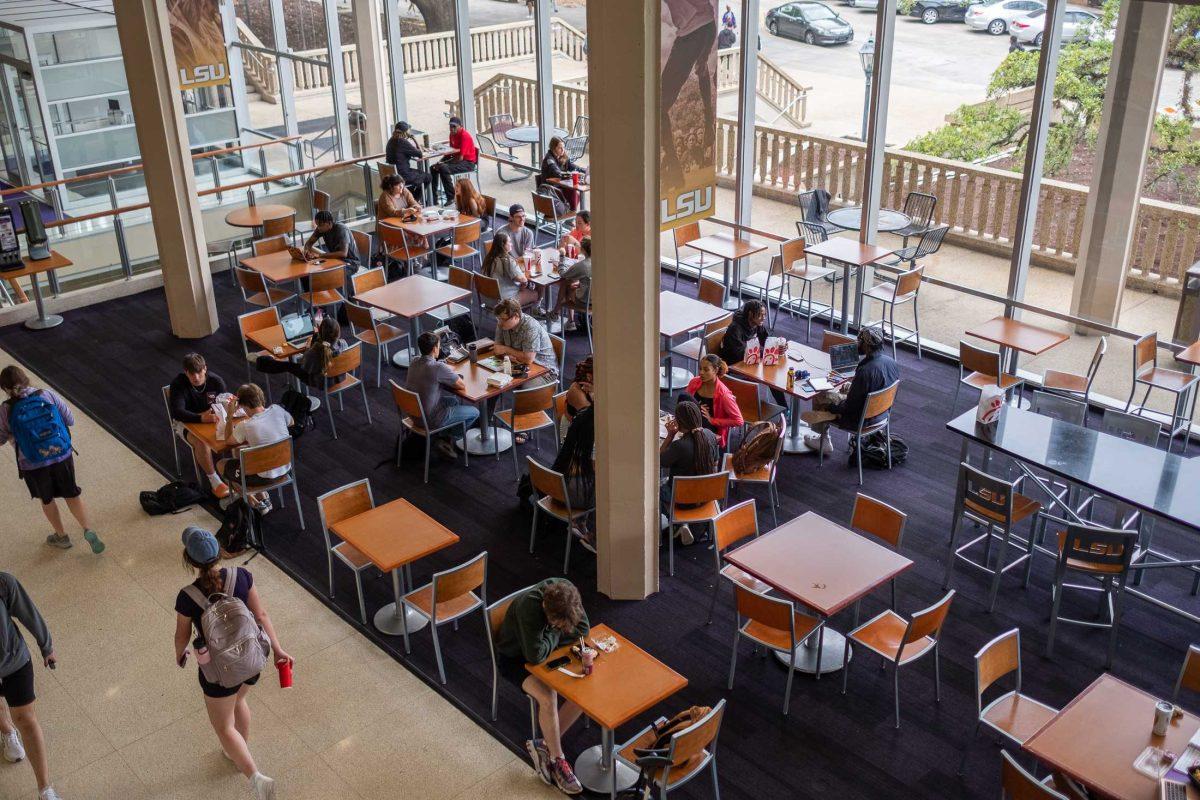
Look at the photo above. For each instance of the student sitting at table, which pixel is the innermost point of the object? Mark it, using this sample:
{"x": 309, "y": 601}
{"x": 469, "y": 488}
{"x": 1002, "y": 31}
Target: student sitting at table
{"x": 430, "y": 379}
{"x": 717, "y": 404}
{"x": 575, "y": 287}
{"x": 520, "y": 236}
{"x": 577, "y": 462}
{"x": 876, "y": 370}
{"x": 395, "y": 200}
{"x": 749, "y": 322}
{"x": 575, "y": 236}
{"x": 326, "y": 343}
{"x": 688, "y": 449}
{"x": 402, "y": 152}
{"x": 524, "y": 340}
{"x": 191, "y": 397}
{"x": 465, "y": 160}
{"x": 334, "y": 237}
{"x": 509, "y": 272}
{"x": 262, "y": 424}
{"x": 536, "y": 623}
{"x": 556, "y": 171}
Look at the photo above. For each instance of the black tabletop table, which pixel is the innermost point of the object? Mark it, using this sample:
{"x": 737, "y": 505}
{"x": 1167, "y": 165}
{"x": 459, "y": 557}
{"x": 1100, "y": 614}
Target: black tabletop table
{"x": 1157, "y": 482}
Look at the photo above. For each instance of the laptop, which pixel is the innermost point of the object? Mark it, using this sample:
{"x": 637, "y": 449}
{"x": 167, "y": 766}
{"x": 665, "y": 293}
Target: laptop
{"x": 843, "y": 358}
{"x": 1169, "y": 789}
{"x": 297, "y": 254}
{"x": 297, "y": 327}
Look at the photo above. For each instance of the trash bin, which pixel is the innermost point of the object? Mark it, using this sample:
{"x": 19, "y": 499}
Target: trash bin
{"x": 1187, "y": 321}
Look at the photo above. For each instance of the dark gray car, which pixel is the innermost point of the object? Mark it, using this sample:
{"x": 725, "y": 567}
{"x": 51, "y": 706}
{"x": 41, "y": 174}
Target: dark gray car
{"x": 809, "y": 21}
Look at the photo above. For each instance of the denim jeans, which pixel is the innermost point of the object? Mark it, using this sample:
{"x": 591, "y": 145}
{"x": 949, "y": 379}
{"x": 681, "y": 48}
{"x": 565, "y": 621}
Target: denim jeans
{"x": 460, "y": 413}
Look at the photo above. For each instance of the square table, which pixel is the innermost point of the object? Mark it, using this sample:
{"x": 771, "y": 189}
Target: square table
{"x": 676, "y": 316}
{"x": 1098, "y": 735}
{"x": 823, "y": 566}
{"x": 280, "y": 267}
{"x": 550, "y": 271}
{"x": 852, "y": 255}
{"x": 486, "y": 439}
{"x": 730, "y": 249}
{"x": 583, "y": 188}
{"x": 1016, "y": 337}
{"x": 1190, "y": 355}
{"x": 410, "y": 298}
{"x": 623, "y": 684}
{"x": 271, "y": 337}
{"x": 393, "y": 536}
{"x": 32, "y": 268}
{"x": 428, "y": 229}
{"x": 799, "y": 356}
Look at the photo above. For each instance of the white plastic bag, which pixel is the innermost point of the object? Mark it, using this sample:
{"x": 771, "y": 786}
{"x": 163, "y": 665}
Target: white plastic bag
{"x": 991, "y": 400}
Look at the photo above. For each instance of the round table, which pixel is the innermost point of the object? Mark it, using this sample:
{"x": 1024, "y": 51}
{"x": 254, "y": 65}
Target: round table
{"x": 532, "y": 136}
{"x": 256, "y": 216}
{"x": 850, "y": 218}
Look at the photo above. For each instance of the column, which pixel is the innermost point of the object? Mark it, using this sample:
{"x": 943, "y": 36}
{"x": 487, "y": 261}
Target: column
{"x": 286, "y": 72}
{"x": 877, "y": 114}
{"x": 145, "y": 33}
{"x": 344, "y": 147}
{"x": 462, "y": 55}
{"x": 1116, "y": 188}
{"x": 391, "y": 16}
{"x": 747, "y": 113}
{"x": 623, "y": 100}
{"x": 371, "y": 69}
{"x": 545, "y": 73}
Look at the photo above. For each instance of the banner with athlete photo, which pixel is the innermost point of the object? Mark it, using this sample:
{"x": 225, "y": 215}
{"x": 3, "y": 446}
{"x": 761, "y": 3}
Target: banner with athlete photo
{"x": 199, "y": 40}
{"x": 687, "y": 128}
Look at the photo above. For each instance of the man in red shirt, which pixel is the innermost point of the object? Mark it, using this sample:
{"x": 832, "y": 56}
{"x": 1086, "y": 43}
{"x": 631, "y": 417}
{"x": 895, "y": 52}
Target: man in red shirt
{"x": 464, "y": 161}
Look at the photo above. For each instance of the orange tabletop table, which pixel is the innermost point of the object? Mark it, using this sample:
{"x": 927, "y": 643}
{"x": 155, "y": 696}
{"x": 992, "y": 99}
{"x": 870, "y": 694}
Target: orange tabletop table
{"x": 583, "y": 188}
{"x": 1190, "y": 355}
{"x": 730, "y": 249}
{"x": 206, "y": 432}
{"x": 1016, "y": 337}
{"x": 410, "y": 298}
{"x": 824, "y": 566}
{"x": 487, "y": 439}
{"x": 1096, "y": 738}
{"x": 623, "y": 684}
{"x": 429, "y": 229}
{"x": 256, "y": 216}
{"x": 676, "y": 316}
{"x": 853, "y": 256}
{"x": 272, "y": 337}
{"x": 280, "y": 267}
{"x": 31, "y": 270}
{"x": 393, "y": 536}
{"x": 549, "y": 273}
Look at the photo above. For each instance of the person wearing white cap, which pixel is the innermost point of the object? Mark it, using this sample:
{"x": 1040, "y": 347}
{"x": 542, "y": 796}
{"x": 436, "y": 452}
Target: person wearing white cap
{"x": 227, "y": 708}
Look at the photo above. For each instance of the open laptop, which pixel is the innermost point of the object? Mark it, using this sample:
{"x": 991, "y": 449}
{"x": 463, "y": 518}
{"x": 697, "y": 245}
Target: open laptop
{"x": 1169, "y": 789}
{"x": 297, "y": 327}
{"x": 298, "y": 254}
{"x": 843, "y": 358}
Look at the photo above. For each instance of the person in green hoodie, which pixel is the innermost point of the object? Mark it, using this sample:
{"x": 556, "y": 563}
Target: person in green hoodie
{"x": 537, "y": 622}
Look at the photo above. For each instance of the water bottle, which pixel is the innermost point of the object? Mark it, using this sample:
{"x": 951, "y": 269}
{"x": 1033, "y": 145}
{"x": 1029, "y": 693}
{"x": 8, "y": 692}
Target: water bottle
{"x": 791, "y": 379}
{"x": 507, "y": 366}
{"x": 201, "y": 648}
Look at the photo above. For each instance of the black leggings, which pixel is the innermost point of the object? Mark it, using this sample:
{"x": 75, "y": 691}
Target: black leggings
{"x": 272, "y": 366}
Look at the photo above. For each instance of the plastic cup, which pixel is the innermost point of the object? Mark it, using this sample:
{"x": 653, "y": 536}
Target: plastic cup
{"x": 587, "y": 656}
{"x": 575, "y": 178}
{"x": 285, "y": 673}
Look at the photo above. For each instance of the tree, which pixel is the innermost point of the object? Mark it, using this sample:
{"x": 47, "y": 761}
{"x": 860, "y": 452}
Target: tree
{"x": 438, "y": 14}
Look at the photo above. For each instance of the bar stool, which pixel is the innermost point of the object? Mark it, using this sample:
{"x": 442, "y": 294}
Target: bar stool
{"x": 904, "y": 290}
{"x": 764, "y": 282}
{"x": 796, "y": 267}
{"x": 978, "y": 368}
{"x": 682, "y": 236}
{"x": 697, "y": 347}
{"x": 1146, "y": 372}
{"x": 1072, "y": 385}
{"x": 997, "y": 505}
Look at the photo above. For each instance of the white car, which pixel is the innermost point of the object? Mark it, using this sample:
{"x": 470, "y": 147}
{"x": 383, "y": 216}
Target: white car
{"x": 1026, "y": 32}
{"x": 995, "y": 17}
{"x": 872, "y": 4}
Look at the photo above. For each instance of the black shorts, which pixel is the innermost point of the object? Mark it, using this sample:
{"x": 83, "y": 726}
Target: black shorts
{"x": 233, "y": 474}
{"x": 217, "y": 690}
{"x": 512, "y": 669}
{"x": 17, "y": 689}
{"x": 56, "y": 480}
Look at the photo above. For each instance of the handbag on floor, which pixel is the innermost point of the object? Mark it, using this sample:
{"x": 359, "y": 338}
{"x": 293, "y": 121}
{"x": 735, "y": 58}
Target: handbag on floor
{"x": 173, "y": 498}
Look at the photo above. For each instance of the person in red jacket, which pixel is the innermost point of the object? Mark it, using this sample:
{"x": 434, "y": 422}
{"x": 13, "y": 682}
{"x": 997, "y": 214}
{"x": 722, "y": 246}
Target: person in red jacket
{"x": 465, "y": 160}
{"x": 717, "y": 403}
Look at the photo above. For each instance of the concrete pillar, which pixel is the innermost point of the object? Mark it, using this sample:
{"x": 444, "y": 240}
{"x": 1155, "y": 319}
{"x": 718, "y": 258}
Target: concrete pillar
{"x": 145, "y": 33}
{"x": 877, "y": 114}
{"x": 747, "y": 114}
{"x": 371, "y": 68}
{"x": 545, "y": 74}
{"x": 1116, "y": 189}
{"x": 623, "y": 38}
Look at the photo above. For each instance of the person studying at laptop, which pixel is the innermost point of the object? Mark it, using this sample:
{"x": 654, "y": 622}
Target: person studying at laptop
{"x": 334, "y": 237}
{"x": 876, "y": 370}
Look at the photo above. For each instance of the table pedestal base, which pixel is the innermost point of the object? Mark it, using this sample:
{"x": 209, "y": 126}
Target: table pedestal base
{"x": 679, "y": 378}
{"x": 497, "y": 442}
{"x": 42, "y": 323}
{"x": 402, "y": 359}
{"x": 793, "y": 440}
{"x": 833, "y": 648}
{"x": 386, "y": 621}
{"x": 589, "y": 768}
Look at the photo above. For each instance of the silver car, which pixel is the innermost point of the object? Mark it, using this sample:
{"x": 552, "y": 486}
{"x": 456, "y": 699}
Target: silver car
{"x": 1077, "y": 24}
{"x": 995, "y": 17}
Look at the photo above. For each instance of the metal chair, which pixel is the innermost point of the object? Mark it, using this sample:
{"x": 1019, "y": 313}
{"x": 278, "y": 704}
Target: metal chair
{"x": 448, "y": 597}
{"x": 1072, "y": 385}
{"x": 879, "y": 404}
{"x": 550, "y": 212}
{"x": 695, "y": 499}
{"x": 340, "y": 378}
{"x": 247, "y": 324}
{"x": 814, "y": 234}
{"x": 929, "y": 243}
{"x": 1059, "y": 407}
{"x": 255, "y": 460}
{"x": 465, "y": 244}
{"x": 270, "y": 244}
{"x": 552, "y": 499}
{"x": 711, "y": 292}
{"x": 978, "y": 368}
{"x": 399, "y": 246}
{"x": 775, "y": 624}
{"x": 881, "y": 521}
{"x": 905, "y": 290}
{"x": 256, "y": 292}
{"x": 575, "y": 146}
{"x": 918, "y": 207}
{"x": 997, "y": 505}
{"x": 498, "y": 126}
{"x": 750, "y": 402}
{"x": 806, "y": 199}
{"x": 413, "y": 420}
{"x": 581, "y": 127}
{"x": 1142, "y": 430}
{"x": 341, "y": 504}
{"x": 731, "y": 527}
{"x": 1017, "y": 784}
{"x": 493, "y": 618}
{"x": 681, "y": 237}
{"x": 696, "y": 347}
{"x": 691, "y": 752}
{"x": 370, "y": 331}
{"x": 1189, "y": 673}
{"x": 902, "y": 642}
{"x": 178, "y": 434}
{"x": 1146, "y": 372}
{"x": 831, "y": 339}
{"x": 530, "y": 413}
{"x": 559, "y": 344}
{"x": 764, "y": 282}
{"x": 488, "y": 148}
{"x": 325, "y": 288}
{"x": 766, "y": 475}
{"x": 461, "y": 279}
{"x": 365, "y": 281}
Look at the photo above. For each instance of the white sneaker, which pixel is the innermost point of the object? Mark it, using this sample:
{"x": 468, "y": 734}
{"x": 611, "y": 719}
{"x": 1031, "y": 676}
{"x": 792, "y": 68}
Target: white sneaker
{"x": 313, "y": 403}
{"x": 49, "y": 794}
{"x": 13, "y": 749}
{"x": 262, "y": 786}
{"x": 815, "y": 441}
{"x": 685, "y": 535}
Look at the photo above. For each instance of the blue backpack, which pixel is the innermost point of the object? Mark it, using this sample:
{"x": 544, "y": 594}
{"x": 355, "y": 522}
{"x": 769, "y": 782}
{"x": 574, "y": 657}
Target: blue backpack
{"x": 38, "y": 428}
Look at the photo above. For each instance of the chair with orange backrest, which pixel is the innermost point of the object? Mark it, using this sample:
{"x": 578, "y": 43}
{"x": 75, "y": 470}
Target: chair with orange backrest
{"x": 398, "y": 245}
{"x": 711, "y": 292}
{"x": 270, "y": 244}
{"x": 978, "y": 367}
{"x": 340, "y": 378}
{"x": 254, "y": 461}
{"x": 882, "y": 521}
{"x": 1146, "y": 372}
{"x": 695, "y": 499}
{"x": 461, "y": 279}
{"x": 1189, "y": 673}
{"x": 552, "y": 499}
{"x": 876, "y": 416}
{"x": 830, "y": 339}
{"x": 256, "y": 291}
{"x": 1016, "y": 783}
{"x": 1072, "y": 385}
{"x": 338, "y": 505}
{"x": 560, "y": 414}
{"x": 325, "y": 288}
{"x": 528, "y": 415}
{"x": 492, "y": 620}
{"x": 465, "y": 244}
{"x": 550, "y": 212}
{"x": 487, "y": 291}
{"x": 690, "y": 752}
{"x": 775, "y": 624}
{"x": 365, "y": 281}
{"x": 448, "y": 597}
{"x": 682, "y": 236}
{"x": 765, "y": 475}
{"x": 284, "y": 226}
{"x": 891, "y": 294}
{"x": 247, "y": 324}
{"x": 697, "y": 347}
{"x": 731, "y": 527}
{"x": 413, "y": 420}
{"x": 765, "y": 282}
{"x": 365, "y": 245}
{"x": 902, "y": 642}
{"x": 795, "y": 266}
{"x": 370, "y": 331}
{"x": 1013, "y": 715}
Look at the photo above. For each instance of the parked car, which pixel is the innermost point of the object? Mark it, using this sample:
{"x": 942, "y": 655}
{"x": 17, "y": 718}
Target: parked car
{"x": 813, "y": 22}
{"x": 1077, "y": 24}
{"x": 931, "y": 11}
{"x": 996, "y": 17}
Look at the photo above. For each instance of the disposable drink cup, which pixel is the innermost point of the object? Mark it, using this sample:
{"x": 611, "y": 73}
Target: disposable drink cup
{"x": 587, "y": 656}
{"x": 285, "y": 673}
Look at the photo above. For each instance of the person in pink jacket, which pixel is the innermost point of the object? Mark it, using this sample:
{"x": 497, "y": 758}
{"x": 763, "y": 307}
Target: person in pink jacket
{"x": 717, "y": 404}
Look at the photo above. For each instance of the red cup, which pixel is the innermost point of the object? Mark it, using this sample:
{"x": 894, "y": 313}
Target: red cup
{"x": 575, "y": 178}
{"x": 285, "y": 673}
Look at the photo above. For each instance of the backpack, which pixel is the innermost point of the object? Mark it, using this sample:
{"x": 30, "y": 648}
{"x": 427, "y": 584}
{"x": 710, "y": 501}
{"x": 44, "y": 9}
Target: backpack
{"x": 173, "y": 498}
{"x": 874, "y": 451}
{"x": 38, "y": 428}
{"x": 757, "y": 448}
{"x": 297, "y": 405}
{"x": 650, "y": 760}
{"x": 237, "y": 645}
{"x": 235, "y": 530}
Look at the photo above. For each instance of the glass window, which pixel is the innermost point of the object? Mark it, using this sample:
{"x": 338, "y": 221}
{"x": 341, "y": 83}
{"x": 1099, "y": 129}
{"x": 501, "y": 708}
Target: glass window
{"x": 96, "y": 148}
{"x": 83, "y": 80}
{"x": 93, "y": 113}
{"x": 79, "y": 45}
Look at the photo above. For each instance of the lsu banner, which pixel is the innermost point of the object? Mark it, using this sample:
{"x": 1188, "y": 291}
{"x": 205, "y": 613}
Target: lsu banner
{"x": 688, "y": 117}
{"x": 199, "y": 40}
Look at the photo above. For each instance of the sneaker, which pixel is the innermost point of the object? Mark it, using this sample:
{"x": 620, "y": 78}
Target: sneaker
{"x": 92, "y": 538}
{"x": 220, "y": 491}
{"x": 444, "y": 447}
{"x": 13, "y": 750}
{"x": 564, "y": 777}
{"x": 685, "y": 535}
{"x": 262, "y": 786}
{"x": 571, "y": 325}
{"x": 815, "y": 441}
{"x": 540, "y": 757}
{"x": 264, "y": 508}
{"x": 313, "y": 403}
{"x": 252, "y": 356}
{"x": 62, "y": 542}
{"x": 49, "y": 794}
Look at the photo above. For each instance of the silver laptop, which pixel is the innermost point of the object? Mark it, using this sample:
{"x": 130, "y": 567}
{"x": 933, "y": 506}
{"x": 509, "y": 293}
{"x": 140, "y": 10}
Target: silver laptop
{"x": 843, "y": 358}
{"x": 297, "y": 327}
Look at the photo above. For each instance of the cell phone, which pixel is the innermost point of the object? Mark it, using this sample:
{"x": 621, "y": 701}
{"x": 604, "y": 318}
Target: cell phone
{"x": 561, "y": 661}
{"x": 183, "y": 659}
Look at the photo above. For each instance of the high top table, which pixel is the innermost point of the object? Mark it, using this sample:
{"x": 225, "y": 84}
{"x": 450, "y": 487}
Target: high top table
{"x": 731, "y": 250}
{"x": 799, "y": 357}
{"x": 853, "y": 256}
{"x": 1016, "y": 337}
{"x": 676, "y": 316}
{"x": 410, "y": 298}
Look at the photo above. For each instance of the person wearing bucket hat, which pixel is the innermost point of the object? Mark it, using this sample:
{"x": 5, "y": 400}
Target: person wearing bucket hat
{"x": 228, "y": 711}
{"x": 404, "y": 154}
{"x": 876, "y": 370}
{"x": 464, "y": 160}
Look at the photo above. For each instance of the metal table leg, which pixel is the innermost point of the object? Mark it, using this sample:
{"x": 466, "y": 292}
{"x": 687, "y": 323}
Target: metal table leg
{"x": 487, "y": 439}
{"x": 405, "y": 357}
{"x": 600, "y": 771}
{"x": 794, "y": 440}
{"x": 43, "y": 320}
{"x": 845, "y": 323}
{"x": 829, "y": 643}
{"x": 387, "y": 619}
{"x": 730, "y": 302}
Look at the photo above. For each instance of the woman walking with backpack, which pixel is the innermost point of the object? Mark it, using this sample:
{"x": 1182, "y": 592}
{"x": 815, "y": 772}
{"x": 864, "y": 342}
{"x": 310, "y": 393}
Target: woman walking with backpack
{"x": 227, "y": 708}
{"x": 38, "y": 423}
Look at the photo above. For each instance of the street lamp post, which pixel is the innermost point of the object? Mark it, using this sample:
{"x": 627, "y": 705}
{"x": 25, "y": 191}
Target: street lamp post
{"x": 866, "y": 55}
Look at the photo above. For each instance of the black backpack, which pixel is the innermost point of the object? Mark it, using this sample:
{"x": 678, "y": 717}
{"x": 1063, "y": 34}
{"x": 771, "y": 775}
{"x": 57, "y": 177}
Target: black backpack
{"x": 176, "y": 496}
{"x": 875, "y": 454}
{"x": 297, "y": 405}
{"x": 235, "y": 531}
